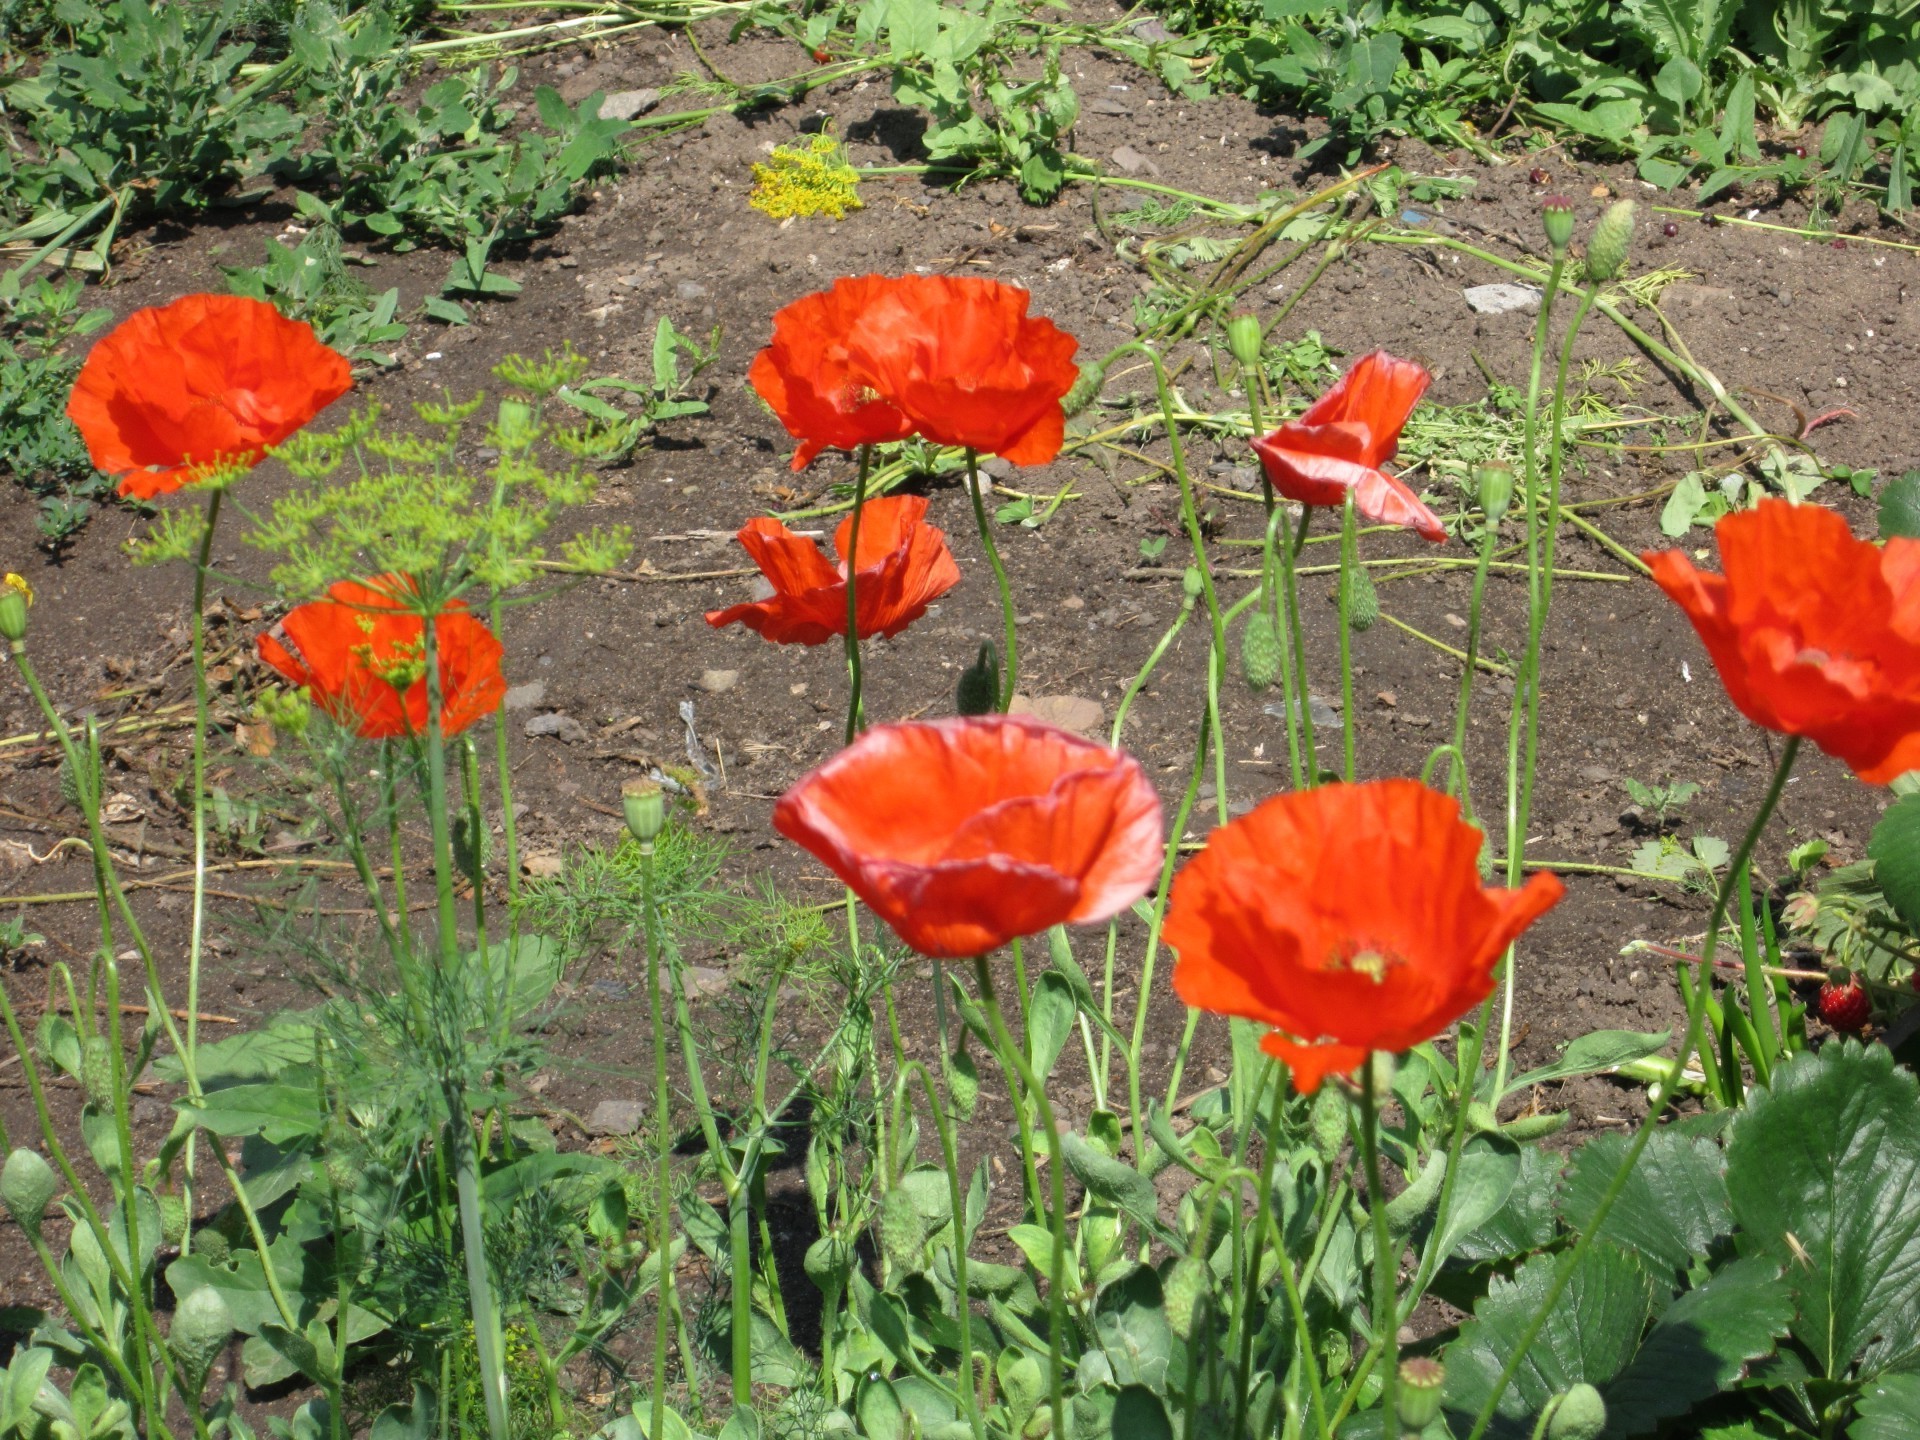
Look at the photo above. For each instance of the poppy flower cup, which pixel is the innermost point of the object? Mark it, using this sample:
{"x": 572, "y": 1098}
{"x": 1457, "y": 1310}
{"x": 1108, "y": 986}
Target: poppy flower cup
{"x": 362, "y": 656}
{"x": 1340, "y": 443}
{"x": 1350, "y": 918}
{"x": 903, "y": 566}
{"x": 807, "y": 379}
{"x": 1814, "y": 633}
{"x": 964, "y": 362}
{"x": 966, "y": 833}
{"x": 177, "y": 393}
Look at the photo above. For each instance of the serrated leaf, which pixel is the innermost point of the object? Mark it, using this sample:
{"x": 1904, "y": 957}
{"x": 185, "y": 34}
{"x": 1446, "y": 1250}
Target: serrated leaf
{"x": 1525, "y": 1222}
{"x": 1489, "y": 1168}
{"x": 1885, "y": 1409}
{"x": 1590, "y": 1335}
{"x": 1701, "y": 1345}
{"x": 1672, "y": 1207}
{"x": 1895, "y": 851}
{"x": 1821, "y": 1167}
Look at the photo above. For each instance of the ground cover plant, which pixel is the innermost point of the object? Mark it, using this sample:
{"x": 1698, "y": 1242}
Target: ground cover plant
{"x": 1011, "y": 1062}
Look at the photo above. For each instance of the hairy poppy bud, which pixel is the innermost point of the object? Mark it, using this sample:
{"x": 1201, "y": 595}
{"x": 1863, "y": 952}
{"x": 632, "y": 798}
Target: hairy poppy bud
{"x": 1580, "y": 1415}
{"x": 1329, "y": 1122}
{"x": 902, "y": 1235}
{"x": 27, "y": 1187}
{"x": 979, "y": 690}
{"x": 96, "y": 1071}
{"x": 645, "y": 806}
{"x": 1084, "y": 390}
{"x": 1363, "y": 601}
{"x": 1418, "y": 1398}
{"x": 1260, "y": 651}
{"x": 1244, "y": 337}
{"x": 16, "y": 598}
{"x": 1183, "y": 1292}
{"x": 1495, "y": 483}
{"x": 1607, "y": 251}
{"x": 1192, "y": 586}
{"x": 1556, "y": 214}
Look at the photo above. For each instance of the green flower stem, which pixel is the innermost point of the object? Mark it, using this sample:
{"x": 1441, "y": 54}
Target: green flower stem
{"x": 1386, "y": 1306}
{"x": 1297, "y": 645}
{"x": 1249, "y": 1305}
{"x": 1145, "y": 997}
{"x": 489, "y": 1341}
{"x": 1010, "y": 669}
{"x": 663, "y": 1148}
{"x": 1347, "y": 558}
{"x": 963, "y": 1298}
{"x": 503, "y": 768}
{"x": 1291, "y": 702}
{"x": 1139, "y": 681}
{"x": 1563, "y": 1272}
{"x": 1013, "y": 1057}
{"x": 1459, "y": 780}
{"x": 853, "y": 601}
{"x": 202, "y": 708}
{"x": 1296, "y": 1305}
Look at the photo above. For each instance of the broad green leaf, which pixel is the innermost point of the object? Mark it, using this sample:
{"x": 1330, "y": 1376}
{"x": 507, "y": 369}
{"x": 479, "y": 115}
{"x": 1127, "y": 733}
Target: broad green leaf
{"x": 1590, "y": 1335}
{"x": 1139, "y": 1415}
{"x": 1822, "y": 1168}
{"x": 1050, "y": 1021}
{"x": 1900, "y": 507}
{"x": 1130, "y": 1320}
{"x": 1592, "y": 1053}
{"x": 266, "y": 1053}
{"x": 1525, "y": 1222}
{"x": 280, "y": 1112}
{"x": 882, "y": 1416}
{"x": 1489, "y": 1166}
{"x": 505, "y": 1189}
{"x": 1895, "y": 851}
{"x": 1112, "y": 1180}
{"x": 1672, "y": 1207}
{"x": 413, "y": 1422}
{"x": 1701, "y": 1345}
{"x": 1885, "y": 1409}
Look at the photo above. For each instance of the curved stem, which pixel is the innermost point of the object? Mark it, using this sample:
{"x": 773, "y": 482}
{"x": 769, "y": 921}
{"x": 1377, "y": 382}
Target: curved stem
{"x": 1010, "y": 669}
{"x": 1386, "y": 1305}
{"x": 1696, "y": 1007}
{"x": 1460, "y": 781}
{"x": 202, "y": 708}
{"x": 852, "y": 561}
{"x": 963, "y": 1298}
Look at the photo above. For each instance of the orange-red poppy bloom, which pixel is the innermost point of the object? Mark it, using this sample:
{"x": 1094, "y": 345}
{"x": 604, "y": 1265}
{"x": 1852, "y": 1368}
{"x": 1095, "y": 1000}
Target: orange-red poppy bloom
{"x": 1351, "y": 918}
{"x": 903, "y": 567}
{"x": 963, "y": 834}
{"x": 207, "y": 383}
{"x": 1813, "y": 632}
{"x": 1345, "y": 437}
{"x": 362, "y": 655}
{"x": 807, "y": 379}
{"x": 960, "y": 357}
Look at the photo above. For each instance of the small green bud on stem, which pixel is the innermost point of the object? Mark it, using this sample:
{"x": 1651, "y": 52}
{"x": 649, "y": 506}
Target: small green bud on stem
{"x": 1244, "y": 338}
{"x": 16, "y": 598}
{"x": 1495, "y": 484}
{"x": 1579, "y": 1414}
{"x": 1418, "y": 1398}
{"x": 1556, "y": 216}
{"x": 1607, "y": 251}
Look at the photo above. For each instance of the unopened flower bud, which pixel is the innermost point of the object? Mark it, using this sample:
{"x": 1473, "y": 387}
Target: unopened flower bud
{"x": 1607, "y": 251}
{"x": 1244, "y": 337}
{"x": 1260, "y": 651}
{"x": 27, "y": 1187}
{"x": 1495, "y": 484}
{"x": 645, "y": 804}
{"x": 1184, "y": 1291}
{"x": 1556, "y": 214}
{"x": 1580, "y": 1415}
{"x": 1418, "y": 1398}
{"x": 1192, "y": 585}
{"x": 979, "y": 689}
{"x": 16, "y": 598}
{"x": 1083, "y": 391}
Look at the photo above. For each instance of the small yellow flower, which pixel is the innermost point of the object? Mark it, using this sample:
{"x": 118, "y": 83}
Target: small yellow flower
{"x": 19, "y": 582}
{"x": 16, "y": 598}
{"x": 813, "y": 178}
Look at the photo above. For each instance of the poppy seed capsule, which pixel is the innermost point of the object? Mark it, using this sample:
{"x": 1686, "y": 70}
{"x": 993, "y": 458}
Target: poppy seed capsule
{"x": 1244, "y": 337}
{"x": 1495, "y": 484}
{"x": 1556, "y": 216}
{"x": 27, "y": 1187}
{"x": 1418, "y": 1399}
{"x": 1607, "y": 251}
{"x": 645, "y": 807}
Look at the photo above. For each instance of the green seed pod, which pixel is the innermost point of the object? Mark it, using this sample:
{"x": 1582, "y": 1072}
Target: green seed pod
{"x": 70, "y": 784}
{"x": 211, "y": 1243}
{"x": 1329, "y": 1122}
{"x": 201, "y": 1327}
{"x": 1556, "y": 216}
{"x": 1607, "y": 251}
{"x": 471, "y": 845}
{"x": 1260, "y": 650}
{"x": 1192, "y": 586}
{"x": 644, "y": 804}
{"x": 963, "y": 1083}
{"x": 902, "y": 1236}
{"x": 1495, "y": 484}
{"x": 1185, "y": 1289}
{"x": 979, "y": 690}
{"x": 1418, "y": 1398}
{"x": 1244, "y": 337}
{"x": 173, "y": 1218}
{"x": 96, "y": 1071}
{"x": 1085, "y": 390}
{"x": 1580, "y": 1415}
{"x": 1363, "y": 601}
{"x": 27, "y": 1187}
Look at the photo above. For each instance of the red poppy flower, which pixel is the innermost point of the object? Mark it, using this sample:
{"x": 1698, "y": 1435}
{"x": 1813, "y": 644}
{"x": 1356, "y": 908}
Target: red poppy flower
{"x": 1343, "y": 440}
{"x": 965, "y": 833}
{"x": 1351, "y": 917}
{"x": 804, "y": 375}
{"x": 964, "y": 362}
{"x": 1813, "y": 632}
{"x": 903, "y": 567}
{"x": 362, "y": 656}
{"x": 210, "y": 381}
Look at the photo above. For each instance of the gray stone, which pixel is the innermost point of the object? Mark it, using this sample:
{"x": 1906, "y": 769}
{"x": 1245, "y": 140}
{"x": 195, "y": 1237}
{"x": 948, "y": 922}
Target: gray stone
{"x": 718, "y": 682}
{"x": 1502, "y": 299}
{"x": 1107, "y": 105}
{"x": 525, "y": 697}
{"x": 626, "y": 104}
{"x": 569, "y": 730}
{"x": 1133, "y": 162}
{"x": 699, "y": 981}
{"x": 1323, "y": 712}
{"x": 616, "y": 1117}
{"x": 690, "y": 290}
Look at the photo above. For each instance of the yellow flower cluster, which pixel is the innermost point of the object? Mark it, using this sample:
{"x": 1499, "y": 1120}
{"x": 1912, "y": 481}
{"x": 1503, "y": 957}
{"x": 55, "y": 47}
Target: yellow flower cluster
{"x": 812, "y": 178}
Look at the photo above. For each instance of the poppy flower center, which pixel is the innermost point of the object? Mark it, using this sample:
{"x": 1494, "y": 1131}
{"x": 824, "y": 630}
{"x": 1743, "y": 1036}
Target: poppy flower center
{"x": 1811, "y": 656}
{"x": 1371, "y": 961}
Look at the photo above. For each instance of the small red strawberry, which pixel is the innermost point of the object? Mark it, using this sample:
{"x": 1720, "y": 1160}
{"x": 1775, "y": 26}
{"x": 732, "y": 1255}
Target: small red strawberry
{"x": 820, "y": 55}
{"x": 1845, "y": 1007}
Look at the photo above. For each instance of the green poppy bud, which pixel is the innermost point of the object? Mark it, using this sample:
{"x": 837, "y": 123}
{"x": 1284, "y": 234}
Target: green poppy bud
{"x": 979, "y": 690}
{"x": 1495, "y": 484}
{"x": 1607, "y": 251}
{"x": 1556, "y": 215}
{"x": 1244, "y": 337}
{"x": 1084, "y": 391}
{"x": 1329, "y": 1122}
{"x": 27, "y": 1187}
{"x": 1183, "y": 1292}
{"x": 96, "y": 1071}
{"x": 645, "y": 806}
{"x": 1580, "y": 1415}
{"x": 1363, "y": 601}
{"x": 902, "y": 1236}
{"x": 1260, "y": 651}
{"x": 1192, "y": 585}
{"x": 1418, "y": 1399}
{"x": 16, "y": 598}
